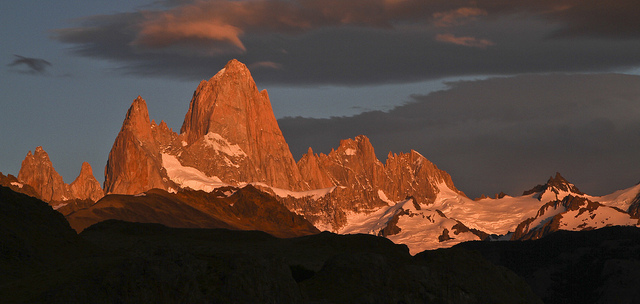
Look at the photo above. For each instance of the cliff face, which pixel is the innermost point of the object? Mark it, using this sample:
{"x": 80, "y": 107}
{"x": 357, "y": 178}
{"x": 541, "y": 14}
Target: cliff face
{"x": 233, "y": 125}
{"x": 135, "y": 163}
{"x": 38, "y": 172}
{"x": 411, "y": 174}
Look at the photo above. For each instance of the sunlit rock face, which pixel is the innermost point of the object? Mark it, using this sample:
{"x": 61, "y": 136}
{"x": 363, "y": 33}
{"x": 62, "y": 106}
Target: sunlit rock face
{"x": 135, "y": 163}
{"x": 232, "y": 124}
{"x": 86, "y": 186}
{"x": 364, "y": 184}
{"x": 229, "y": 134}
{"x": 38, "y": 172}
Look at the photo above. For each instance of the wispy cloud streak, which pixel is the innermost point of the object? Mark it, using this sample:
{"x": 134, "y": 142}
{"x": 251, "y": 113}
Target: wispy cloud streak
{"x": 30, "y": 65}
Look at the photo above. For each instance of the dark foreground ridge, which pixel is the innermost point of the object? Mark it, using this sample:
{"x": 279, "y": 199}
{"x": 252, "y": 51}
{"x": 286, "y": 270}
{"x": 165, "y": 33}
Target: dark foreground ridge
{"x": 43, "y": 260}
{"x": 597, "y": 266}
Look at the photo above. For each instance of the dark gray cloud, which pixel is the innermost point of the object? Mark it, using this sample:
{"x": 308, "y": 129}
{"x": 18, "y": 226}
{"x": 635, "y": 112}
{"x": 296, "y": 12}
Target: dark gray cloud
{"x": 29, "y": 65}
{"x": 505, "y": 134}
{"x": 364, "y": 41}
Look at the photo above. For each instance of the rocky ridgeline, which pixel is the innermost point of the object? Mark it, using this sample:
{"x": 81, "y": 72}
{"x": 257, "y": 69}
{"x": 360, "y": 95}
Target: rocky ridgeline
{"x": 230, "y": 133}
{"x": 230, "y": 138}
{"x": 38, "y": 172}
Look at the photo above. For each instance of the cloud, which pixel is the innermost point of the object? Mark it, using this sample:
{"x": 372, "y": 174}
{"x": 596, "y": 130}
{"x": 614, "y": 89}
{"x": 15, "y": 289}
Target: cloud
{"x": 265, "y": 65}
{"x": 212, "y": 38}
{"x": 457, "y": 17}
{"x": 464, "y": 41}
{"x": 30, "y": 65}
{"x": 505, "y": 134}
{"x": 363, "y": 41}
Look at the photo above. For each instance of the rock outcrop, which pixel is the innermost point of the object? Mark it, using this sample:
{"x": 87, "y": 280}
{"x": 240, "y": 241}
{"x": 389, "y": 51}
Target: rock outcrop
{"x": 38, "y": 172}
{"x": 411, "y": 174}
{"x": 135, "y": 162}
{"x": 363, "y": 183}
{"x": 86, "y": 186}
{"x": 12, "y": 183}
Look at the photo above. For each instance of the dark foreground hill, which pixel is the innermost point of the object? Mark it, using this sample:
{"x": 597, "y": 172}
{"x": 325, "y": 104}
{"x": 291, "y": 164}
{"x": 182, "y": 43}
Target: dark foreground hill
{"x": 245, "y": 208}
{"x": 598, "y": 266}
{"x": 44, "y": 261}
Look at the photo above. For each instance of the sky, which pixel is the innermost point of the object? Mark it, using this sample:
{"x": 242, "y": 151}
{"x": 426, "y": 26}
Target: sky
{"x": 500, "y": 94}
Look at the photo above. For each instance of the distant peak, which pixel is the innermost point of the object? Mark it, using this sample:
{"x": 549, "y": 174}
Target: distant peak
{"x": 561, "y": 183}
{"x": 554, "y": 184}
{"x": 557, "y": 179}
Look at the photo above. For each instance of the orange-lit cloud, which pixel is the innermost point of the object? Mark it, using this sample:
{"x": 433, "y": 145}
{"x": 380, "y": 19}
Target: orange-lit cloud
{"x": 169, "y": 30}
{"x": 265, "y": 65}
{"x": 464, "y": 41}
{"x": 343, "y": 41}
{"x": 457, "y": 17}
{"x": 222, "y": 23}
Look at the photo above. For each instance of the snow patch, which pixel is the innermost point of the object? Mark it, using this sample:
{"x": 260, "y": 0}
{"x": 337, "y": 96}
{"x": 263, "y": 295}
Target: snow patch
{"x": 620, "y": 199}
{"x": 56, "y": 207}
{"x": 419, "y": 229}
{"x": 493, "y": 216}
{"x": 220, "y": 73}
{"x": 384, "y": 198}
{"x": 549, "y": 213}
{"x": 350, "y": 151}
{"x": 284, "y": 193}
{"x": 220, "y": 144}
{"x": 189, "y": 177}
{"x": 140, "y": 194}
{"x": 372, "y": 223}
{"x": 602, "y": 217}
{"x": 19, "y": 185}
{"x": 549, "y": 195}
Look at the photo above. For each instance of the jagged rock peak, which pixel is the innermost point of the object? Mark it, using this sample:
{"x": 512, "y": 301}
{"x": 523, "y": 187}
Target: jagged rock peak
{"x": 134, "y": 164}
{"x": 561, "y": 183}
{"x": 86, "y": 186}
{"x": 360, "y": 146}
{"x": 555, "y": 188}
{"x": 230, "y": 108}
{"x": 137, "y": 119}
{"x": 38, "y": 172}
{"x": 223, "y": 102}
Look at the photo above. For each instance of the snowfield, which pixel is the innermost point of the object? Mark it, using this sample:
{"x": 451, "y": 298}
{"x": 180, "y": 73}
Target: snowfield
{"x": 436, "y": 225}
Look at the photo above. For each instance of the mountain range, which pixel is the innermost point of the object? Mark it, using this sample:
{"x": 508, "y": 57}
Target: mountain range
{"x": 230, "y": 167}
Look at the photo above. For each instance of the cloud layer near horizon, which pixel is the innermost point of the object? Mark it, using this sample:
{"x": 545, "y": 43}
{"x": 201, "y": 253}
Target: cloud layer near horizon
{"x": 505, "y": 134}
{"x": 363, "y": 41}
